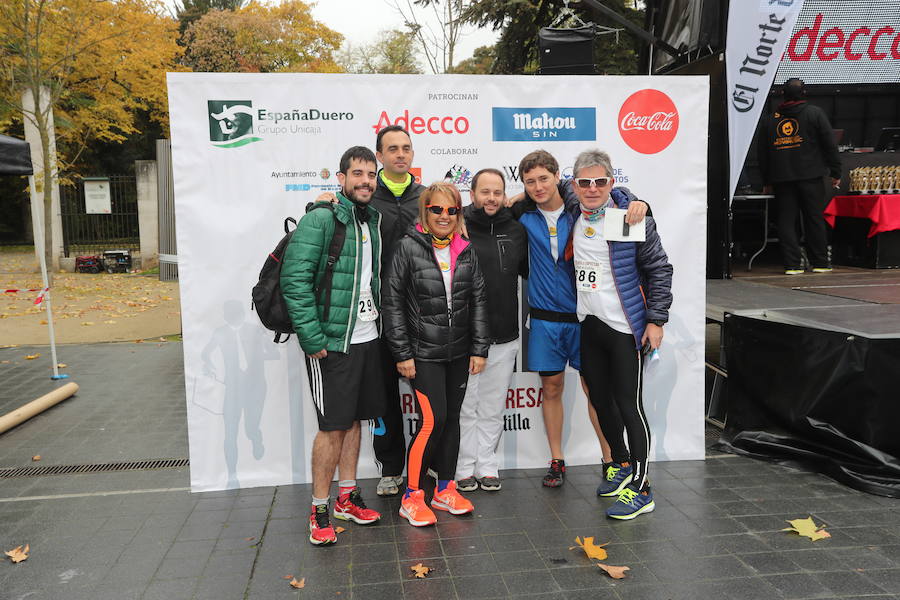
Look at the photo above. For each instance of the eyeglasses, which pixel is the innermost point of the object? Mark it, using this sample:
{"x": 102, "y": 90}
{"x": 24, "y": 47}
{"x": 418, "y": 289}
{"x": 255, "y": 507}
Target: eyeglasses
{"x": 437, "y": 210}
{"x": 585, "y": 182}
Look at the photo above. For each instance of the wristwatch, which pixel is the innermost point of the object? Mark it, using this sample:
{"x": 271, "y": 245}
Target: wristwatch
{"x": 656, "y": 322}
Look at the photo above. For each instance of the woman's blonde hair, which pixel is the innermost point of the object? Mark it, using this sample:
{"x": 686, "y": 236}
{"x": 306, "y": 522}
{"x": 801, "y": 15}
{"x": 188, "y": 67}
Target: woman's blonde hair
{"x": 447, "y": 190}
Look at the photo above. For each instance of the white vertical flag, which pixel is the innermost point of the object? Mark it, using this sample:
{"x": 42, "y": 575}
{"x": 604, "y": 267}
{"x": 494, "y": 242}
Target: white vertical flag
{"x": 758, "y": 33}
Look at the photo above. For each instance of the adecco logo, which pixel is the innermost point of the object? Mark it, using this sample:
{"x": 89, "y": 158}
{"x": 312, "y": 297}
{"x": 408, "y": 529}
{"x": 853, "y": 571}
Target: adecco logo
{"x": 230, "y": 123}
{"x": 648, "y": 121}
{"x": 420, "y": 125}
{"x": 548, "y": 124}
{"x": 854, "y": 43}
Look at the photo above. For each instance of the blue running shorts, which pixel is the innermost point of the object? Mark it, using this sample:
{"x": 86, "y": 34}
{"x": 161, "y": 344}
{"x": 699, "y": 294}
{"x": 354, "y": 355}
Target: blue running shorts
{"x": 552, "y": 344}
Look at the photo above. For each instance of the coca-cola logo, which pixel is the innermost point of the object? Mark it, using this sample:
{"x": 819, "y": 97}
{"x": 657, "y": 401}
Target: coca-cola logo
{"x": 648, "y": 121}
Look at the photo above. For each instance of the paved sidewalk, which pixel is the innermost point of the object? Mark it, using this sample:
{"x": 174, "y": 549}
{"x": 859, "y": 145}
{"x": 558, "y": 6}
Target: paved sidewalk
{"x": 141, "y": 534}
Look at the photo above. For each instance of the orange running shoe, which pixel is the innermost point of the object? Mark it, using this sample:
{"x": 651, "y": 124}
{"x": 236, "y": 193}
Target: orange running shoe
{"x": 414, "y": 510}
{"x": 451, "y": 500}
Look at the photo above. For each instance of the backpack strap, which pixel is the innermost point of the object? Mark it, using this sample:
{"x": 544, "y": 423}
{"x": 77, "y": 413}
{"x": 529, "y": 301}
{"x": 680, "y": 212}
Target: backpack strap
{"x": 334, "y": 252}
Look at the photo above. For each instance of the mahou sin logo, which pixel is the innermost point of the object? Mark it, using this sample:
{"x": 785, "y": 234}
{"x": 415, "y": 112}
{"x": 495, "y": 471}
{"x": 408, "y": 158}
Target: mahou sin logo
{"x": 648, "y": 121}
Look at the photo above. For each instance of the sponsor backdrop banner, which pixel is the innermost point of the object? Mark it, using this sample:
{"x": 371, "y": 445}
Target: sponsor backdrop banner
{"x": 758, "y": 33}
{"x": 252, "y": 149}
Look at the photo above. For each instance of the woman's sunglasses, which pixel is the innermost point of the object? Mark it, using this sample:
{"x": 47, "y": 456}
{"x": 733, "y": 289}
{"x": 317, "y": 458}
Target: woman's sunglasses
{"x": 585, "y": 182}
{"x": 437, "y": 210}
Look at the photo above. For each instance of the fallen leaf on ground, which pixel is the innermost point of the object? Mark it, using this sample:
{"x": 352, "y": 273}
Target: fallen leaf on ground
{"x": 32, "y": 356}
{"x": 288, "y": 577}
{"x": 807, "y": 528}
{"x": 420, "y": 570}
{"x": 298, "y": 584}
{"x": 18, "y": 554}
{"x": 138, "y": 341}
{"x": 36, "y": 457}
{"x": 61, "y": 365}
{"x": 339, "y": 529}
{"x": 249, "y": 539}
{"x": 614, "y": 572}
{"x": 590, "y": 548}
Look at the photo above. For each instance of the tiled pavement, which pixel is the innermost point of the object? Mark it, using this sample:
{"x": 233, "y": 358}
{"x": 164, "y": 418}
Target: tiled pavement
{"x": 715, "y": 532}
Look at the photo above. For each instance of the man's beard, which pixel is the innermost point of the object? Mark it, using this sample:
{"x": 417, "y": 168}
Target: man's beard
{"x": 350, "y": 194}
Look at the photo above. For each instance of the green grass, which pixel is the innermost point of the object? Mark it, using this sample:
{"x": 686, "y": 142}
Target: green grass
{"x": 17, "y": 249}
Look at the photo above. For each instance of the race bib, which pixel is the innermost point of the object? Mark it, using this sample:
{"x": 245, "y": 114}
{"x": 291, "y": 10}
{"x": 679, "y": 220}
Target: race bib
{"x": 587, "y": 276}
{"x": 367, "y": 310}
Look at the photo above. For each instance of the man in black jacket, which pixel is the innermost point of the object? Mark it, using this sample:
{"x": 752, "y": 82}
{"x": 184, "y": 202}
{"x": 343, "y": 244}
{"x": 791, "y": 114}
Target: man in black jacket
{"x": 397, "y": 199}
{"x": 796, "y": 149}
{"x": 501, "y": 245}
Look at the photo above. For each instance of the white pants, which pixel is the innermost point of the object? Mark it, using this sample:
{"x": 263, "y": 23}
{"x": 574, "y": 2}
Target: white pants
{"x": 481, "y": 418}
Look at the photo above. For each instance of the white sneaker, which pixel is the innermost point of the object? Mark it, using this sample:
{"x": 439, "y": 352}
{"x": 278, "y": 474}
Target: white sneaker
{"x": 389, "y": 486}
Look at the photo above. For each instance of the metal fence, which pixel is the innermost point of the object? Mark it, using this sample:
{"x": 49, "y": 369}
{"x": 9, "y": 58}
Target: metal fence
{"x": 168, "y": 247}
{"x": 85, "y": 233}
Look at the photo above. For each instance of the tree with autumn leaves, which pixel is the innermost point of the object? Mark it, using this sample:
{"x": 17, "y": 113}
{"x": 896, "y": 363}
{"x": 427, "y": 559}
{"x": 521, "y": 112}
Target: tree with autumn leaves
{"x": 91, "y": 65}
{"x": 261, "y": 39}
{"x": 99, "y": 66}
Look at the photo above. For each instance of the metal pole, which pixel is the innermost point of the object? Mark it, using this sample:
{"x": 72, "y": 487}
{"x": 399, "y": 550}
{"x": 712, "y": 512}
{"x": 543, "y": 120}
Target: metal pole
{"x": 39, "y": 241}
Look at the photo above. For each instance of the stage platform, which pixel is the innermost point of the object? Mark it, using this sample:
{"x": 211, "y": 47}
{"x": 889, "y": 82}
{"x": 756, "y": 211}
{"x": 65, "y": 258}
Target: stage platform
{"x": 804, "y": 372}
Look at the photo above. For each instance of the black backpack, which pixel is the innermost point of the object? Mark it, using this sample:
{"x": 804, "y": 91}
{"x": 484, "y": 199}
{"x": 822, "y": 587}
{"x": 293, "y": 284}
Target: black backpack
{"x": 268, "y": 301}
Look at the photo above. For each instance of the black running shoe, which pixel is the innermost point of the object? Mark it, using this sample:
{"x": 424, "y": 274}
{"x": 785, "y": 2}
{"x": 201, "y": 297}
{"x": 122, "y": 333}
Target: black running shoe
{"x": 556, "y": 474}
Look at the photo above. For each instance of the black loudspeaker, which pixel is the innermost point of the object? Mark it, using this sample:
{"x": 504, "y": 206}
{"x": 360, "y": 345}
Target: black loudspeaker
{"x": 567, "y": 51}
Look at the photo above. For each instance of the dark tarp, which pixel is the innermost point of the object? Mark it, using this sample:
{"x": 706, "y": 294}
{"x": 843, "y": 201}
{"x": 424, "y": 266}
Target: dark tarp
{"x": 15, "y": 156}
{"x": 815, "y": 399}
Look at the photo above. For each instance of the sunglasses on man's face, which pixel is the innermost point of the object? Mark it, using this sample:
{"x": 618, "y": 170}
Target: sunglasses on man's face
{"x": 436, "y": 210}
{"x": 586, "y": 182}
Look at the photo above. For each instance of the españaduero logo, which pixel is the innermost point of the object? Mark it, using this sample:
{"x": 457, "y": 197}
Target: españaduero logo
{"x": 553, "y": 124}
{"x": 235, "y": 123}
{"x": 231, "y": 123}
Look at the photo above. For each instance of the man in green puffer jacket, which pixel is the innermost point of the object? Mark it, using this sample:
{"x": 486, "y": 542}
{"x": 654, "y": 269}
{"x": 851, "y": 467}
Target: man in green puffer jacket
{"x": 337, "y": 327}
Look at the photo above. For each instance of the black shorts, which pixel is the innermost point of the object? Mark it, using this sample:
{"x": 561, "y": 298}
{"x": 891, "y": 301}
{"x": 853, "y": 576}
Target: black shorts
{"x": 347, "y": 387}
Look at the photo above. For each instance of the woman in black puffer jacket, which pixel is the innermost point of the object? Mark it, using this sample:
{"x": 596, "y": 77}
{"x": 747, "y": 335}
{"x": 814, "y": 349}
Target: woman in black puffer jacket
{"x": 434, "y": 312}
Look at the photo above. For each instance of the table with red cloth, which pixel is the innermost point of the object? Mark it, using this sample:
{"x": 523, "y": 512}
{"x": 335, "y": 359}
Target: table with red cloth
{"x": 883, "y": 210}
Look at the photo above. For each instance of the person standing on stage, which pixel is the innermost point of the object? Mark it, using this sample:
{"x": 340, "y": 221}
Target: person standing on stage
{"x": 502, "y": 248}
{"x": 338, "y": 332}
{"x": 624, "y": 294}
{"x": 796, "y": 148}
{"x": 436, "y": 324}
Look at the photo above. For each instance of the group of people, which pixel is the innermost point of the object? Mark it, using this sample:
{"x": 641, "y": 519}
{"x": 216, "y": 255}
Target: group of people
{"x": 427, "y": 289}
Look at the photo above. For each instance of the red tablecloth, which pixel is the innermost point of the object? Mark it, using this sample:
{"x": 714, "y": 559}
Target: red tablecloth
{"x": 882, "y": 209}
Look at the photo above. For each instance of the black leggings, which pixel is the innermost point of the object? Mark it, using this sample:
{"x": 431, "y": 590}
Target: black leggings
{"x": 440, "y": 388}
{"x": 613, "y": 370}
{"x": 390, "y": 446}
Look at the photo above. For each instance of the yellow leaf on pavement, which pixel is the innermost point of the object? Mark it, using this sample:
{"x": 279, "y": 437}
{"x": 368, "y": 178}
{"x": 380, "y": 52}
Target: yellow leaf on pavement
{"x": 61, "y": 365}
{"x": 298, "y": 584}
{"x": 590, "y": 548}
{"x": 18, "y": 554}
{"x": 36, "y": 457}
{"x": 614, "y": 572}
{"x": 807, "y": 528}
{"x": 32, "y": 356}
{"x": 420, "y": 570}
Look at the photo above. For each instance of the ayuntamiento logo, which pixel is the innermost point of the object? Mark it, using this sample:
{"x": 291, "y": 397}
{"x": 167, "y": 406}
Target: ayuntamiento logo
{"x": 231, "y": 123}
{"x": 557, "y": 124}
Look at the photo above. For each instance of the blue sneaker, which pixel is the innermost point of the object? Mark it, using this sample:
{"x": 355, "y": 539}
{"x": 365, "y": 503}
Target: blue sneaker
{"x": 631, "y": 503}
{"x": 616, "y": 477}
